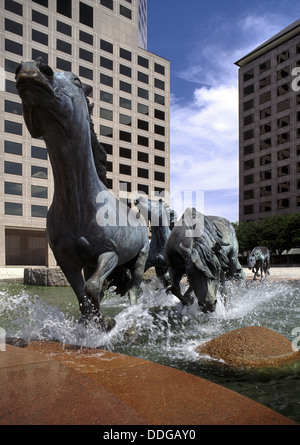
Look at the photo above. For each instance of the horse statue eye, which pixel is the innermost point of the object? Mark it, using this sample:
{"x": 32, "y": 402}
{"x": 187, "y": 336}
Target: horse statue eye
{"x": 76, "y": 81}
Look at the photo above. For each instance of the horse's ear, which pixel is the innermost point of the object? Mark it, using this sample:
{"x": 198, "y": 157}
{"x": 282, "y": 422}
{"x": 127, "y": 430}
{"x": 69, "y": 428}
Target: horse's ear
{"x": 87, "y": 89}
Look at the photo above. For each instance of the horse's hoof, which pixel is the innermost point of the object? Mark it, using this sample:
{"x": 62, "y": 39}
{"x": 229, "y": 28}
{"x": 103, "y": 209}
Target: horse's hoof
{"x": 109, "y": 324}
{"x": 187, "y": 301}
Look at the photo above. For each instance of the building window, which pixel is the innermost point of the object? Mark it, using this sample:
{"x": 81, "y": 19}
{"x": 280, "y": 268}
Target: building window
{"x": 13, "y": 147}
{"x": 125, "y": 70}
{"x": 144, "y": 94}
{"x": 106, "y": 131}
{"x": 124, "y": 54}
{"x": 159, "y": 99}
{"x": 283, "y": 89}
{"x": 249, "y": 134}
{"x": 249, "y": 179}
{"x": 248, "y": 75}
{"x": 106, "y": 80}
{"x": 106, "y": 114}
{"x": 39, "y": 152}
{"x": 107, "y": 3}
{"x": 125, "y": 152}
{"x": 13, "y": 208}
{"x": 124, "y": 136}
{"x": 86, "y": 72}
{"x": 158, "y": 129}
{"x": 158, "y": 114}
{"x": 85, "y": 55}
{"x": 12, "y": 188}
{"x": 283, "y": 154}
{"x": 40, "y": 37}
{"x": 159, "y": 145}
{"x": 125, "y": 169}
{"x": 39, "y": 172}
{"x": 39, "y": 192}
{"x": 14, "y": 7}
{"x": 106, "y": 46}
{"x": 143, "y": 125}
{"x": 142, "y": 61}
{"x": 38, "y": 211}
{"x": 265, "y": 144}
{"x": 143, "y": 173}
{"x": 159, "y": 84}
{"x": 106, "y": 97}
{"x": 158, "y": 160}
{"x": 248, "y": 194}
{"x": 143, "y": 109}
{"x": 143, "y": 157}
{"x": 125, "y": 103}
{"x": 13, "y": 47}
{"x": 40, "y": 18}
{"x": 283, "y": 121}
{"x": 283, "y": 204}
{"x": 142, "y": 140}
{"x": 125, "y": 12}
{"x": 86, "y": 15}
{"x": 283, "y": 187}
{"x": 265, "y": 175}
{"x": 142, "y": 77}
{"x": 285, "y": 55}
{"x": 265, "y": 97}
{"x": 264, "y": 66}
{"x": 248, "y": 209}
{"x": 159, "y": 176}
{"x": 125, "y": 119}
{"x": 85, "y": 37}
{"x": 63, "y": 46}
{"x": 249, "y": 119}
{"x": 14, "y": 27}
{"x": 160, "y": 69}
{"x": 125, "y": 86}
{"x": 282, "y": 138}
{"x": 106, "y": 63}
{"x": 265, "y": 207}
{"x": 266, "y": 112}
{"x": 267, "y": 159}
{"x": 249, "y": 164}
{"x": 266, "y": 81}
{"x": 283, "y": 171}
{"x": 13, "y": 127}
{"x": 265, "y": 191}
{"x": 13, "y": 107}
{"x": 142, "y": 188}
{"x": 266, "y": 128}
{"x": 64, "y": 28}
{"x": 63, "y": 64}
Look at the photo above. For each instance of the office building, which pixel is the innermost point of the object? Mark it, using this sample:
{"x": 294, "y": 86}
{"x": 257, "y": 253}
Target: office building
{"x": 269, "y": 130}
{"x": 104, "y": 42}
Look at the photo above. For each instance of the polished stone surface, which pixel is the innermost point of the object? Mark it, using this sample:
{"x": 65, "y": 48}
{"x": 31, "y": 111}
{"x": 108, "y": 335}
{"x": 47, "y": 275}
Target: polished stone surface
{"x": 48, "y": 383}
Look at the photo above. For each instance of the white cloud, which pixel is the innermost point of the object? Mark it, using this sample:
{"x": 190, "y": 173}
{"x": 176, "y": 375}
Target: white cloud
{"x": 204, "y": 132}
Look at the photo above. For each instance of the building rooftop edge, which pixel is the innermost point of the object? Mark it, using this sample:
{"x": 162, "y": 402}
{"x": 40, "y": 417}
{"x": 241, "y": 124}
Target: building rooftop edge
{"x": 279, "y": 38}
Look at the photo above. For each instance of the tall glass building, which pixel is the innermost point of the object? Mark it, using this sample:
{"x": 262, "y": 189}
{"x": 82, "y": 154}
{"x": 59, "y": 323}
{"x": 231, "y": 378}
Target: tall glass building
{"x": 104, "y": 42}
{"x": 269, "y": 117}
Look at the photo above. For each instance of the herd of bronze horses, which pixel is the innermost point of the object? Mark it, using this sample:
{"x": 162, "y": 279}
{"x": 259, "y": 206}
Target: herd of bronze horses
{"x": 99, "y": 242}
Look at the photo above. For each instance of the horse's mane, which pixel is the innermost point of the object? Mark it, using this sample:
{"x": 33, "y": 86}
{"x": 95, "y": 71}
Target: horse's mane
{"x": 99, "y": 152}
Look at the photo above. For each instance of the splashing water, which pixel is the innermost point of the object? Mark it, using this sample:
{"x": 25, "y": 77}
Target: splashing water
{"x": 159, "y": 328}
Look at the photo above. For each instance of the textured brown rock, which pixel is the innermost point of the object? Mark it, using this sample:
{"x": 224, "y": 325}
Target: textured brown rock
{"x": 44, "y": 276}
{"x": 253, "y": 346}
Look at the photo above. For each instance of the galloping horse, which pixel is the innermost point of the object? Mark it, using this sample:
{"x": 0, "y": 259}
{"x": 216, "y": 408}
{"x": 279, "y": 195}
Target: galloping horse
{"x": 161, "y": 218}
{"x": 259, "y": 259}
{"x": 88, "y": 228}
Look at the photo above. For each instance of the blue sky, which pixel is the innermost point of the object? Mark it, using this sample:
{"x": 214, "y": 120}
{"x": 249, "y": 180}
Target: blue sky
{"x": 202, "y": 40}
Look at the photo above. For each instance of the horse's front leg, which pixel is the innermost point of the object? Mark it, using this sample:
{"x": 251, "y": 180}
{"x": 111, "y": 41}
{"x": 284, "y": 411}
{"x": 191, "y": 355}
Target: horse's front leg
{"x": 93, "y": 286}
{"x": 137, "y": 273}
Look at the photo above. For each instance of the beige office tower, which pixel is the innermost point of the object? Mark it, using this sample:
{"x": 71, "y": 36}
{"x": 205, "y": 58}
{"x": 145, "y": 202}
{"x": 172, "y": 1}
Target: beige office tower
{"x": 269, "y": 116}
{"x": 104, "y": 42}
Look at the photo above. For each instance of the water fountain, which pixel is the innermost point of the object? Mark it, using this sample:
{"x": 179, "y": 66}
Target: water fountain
{"x": 160, "y": 329}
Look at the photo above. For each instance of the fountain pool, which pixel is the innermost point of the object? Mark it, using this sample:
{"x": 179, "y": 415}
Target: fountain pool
{"x": 161, "y": 330}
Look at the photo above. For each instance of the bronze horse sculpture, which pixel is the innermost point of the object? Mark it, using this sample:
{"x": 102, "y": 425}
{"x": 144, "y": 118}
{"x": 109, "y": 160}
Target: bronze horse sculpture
{"x": 88, "y": 229}
{"x": 161, "y": 219}
{"x": 196, "y": 247}
{"x": 259, "y": 260}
